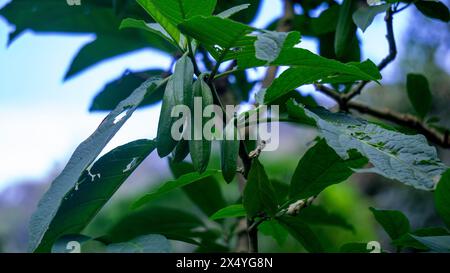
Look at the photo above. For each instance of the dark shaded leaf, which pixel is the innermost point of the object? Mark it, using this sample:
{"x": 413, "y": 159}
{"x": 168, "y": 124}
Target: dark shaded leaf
{"x": 393, "y": 222}
{"x": 436, "y": 10}
{"x": 171, "y": 185}
{"x": 345, "y": 29}
{"x": 354, "y": 248}
{"x": 274, "y": 229}
{"x": 419, "y": 93}
{"x": 316, "y": 215}
{"x": 205, "y": 193}
{"x": 301, "y": 232}
{"x": 320, "y": 168}
{"x": 229, "y": 151}
{"x": 407, "y": 240}
{"x": 172, "y": 223}
{"x": 117, "y": 90}
{"x": 442, "y": 197}
{"x": 259, "y": 195}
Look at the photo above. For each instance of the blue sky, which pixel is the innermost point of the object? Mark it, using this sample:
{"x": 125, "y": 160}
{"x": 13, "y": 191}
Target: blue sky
{"x": 43, "y": 118}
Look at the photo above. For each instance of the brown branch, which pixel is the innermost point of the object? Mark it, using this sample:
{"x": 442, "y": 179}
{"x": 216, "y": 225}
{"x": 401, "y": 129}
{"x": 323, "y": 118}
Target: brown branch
{"x": 284, "y": 25}
{"x": 401, "y": 119}
{"x": 388, "y": 59}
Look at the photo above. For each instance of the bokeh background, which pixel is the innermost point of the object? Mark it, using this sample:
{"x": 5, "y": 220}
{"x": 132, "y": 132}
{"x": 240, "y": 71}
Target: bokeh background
{"x": 43, "y": 117}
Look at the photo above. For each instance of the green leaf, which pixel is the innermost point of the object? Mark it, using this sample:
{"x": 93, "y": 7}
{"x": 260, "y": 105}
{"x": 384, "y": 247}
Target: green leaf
{"x": 419, "y": 93}
{"x": 299, "y": 113}
{"x": 268, "y": 45}
{"x": 218, "y": 35}
{"x": 94, "y": 188}
{"x": 199, "y": 145}
{"x": 246, "y": 15}
{"x": 301, "y": 232}
{"x": 63, "y": 243}
{"x": 259, "y": 195}
{"x": 274, "y": 229}
{"x": 226, "y": 40}
{"x": 440, "y": 244}
{"x": 229, "y": 149}
{"x": 205, "y": 193}
{"x": 151, "y": 27}
{"x": 90, "y": 17}
{"x": 172, "y": 223}
{"x": 393, "y": 222}
{"x": 434, "y": 9}
{"x": 119, "y": 89}
{"x": 442, "y": 198}
{"x": 81, "y": 159}
{"x": 307, "y": 67}
{"x": 233, "y": 10}
{"x": 354, "y": 248}
{"x": 326, "y": 22}
{"x": 316, "y": 215}
{"x": 364, "y": 16}
{"x": 170, "y": 13}
{"x": 181, "y": 151}
{"x": 171, "y": 185}
{"x": 345, "y": 27}
{"x": 153, "y": 243}
{"x": 406, "y": 158}
{"x": 232, "y": 211}
{"x": 319, "y": 168}
{"x": 407, "y": 240}
{"x": 178, "y": 88}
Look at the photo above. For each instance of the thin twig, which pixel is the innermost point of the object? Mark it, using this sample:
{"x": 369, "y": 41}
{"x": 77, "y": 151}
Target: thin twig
{"x": 389, "y": 58}
{"x": 284, "y": 25}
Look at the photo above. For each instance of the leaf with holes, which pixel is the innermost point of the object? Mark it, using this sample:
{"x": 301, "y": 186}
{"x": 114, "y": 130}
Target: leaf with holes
{"x": 81, "y": 159}
{"x": 119, "y": 89}
{"x": 152, "y": 243}
{"x": 406, "y": 158}
{"x": 94, "y": 188}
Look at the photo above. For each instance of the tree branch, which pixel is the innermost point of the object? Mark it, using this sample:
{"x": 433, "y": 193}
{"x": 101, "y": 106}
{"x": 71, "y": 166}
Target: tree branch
{"x": 284, "y": 25}
{"x": 389, "y": 58}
